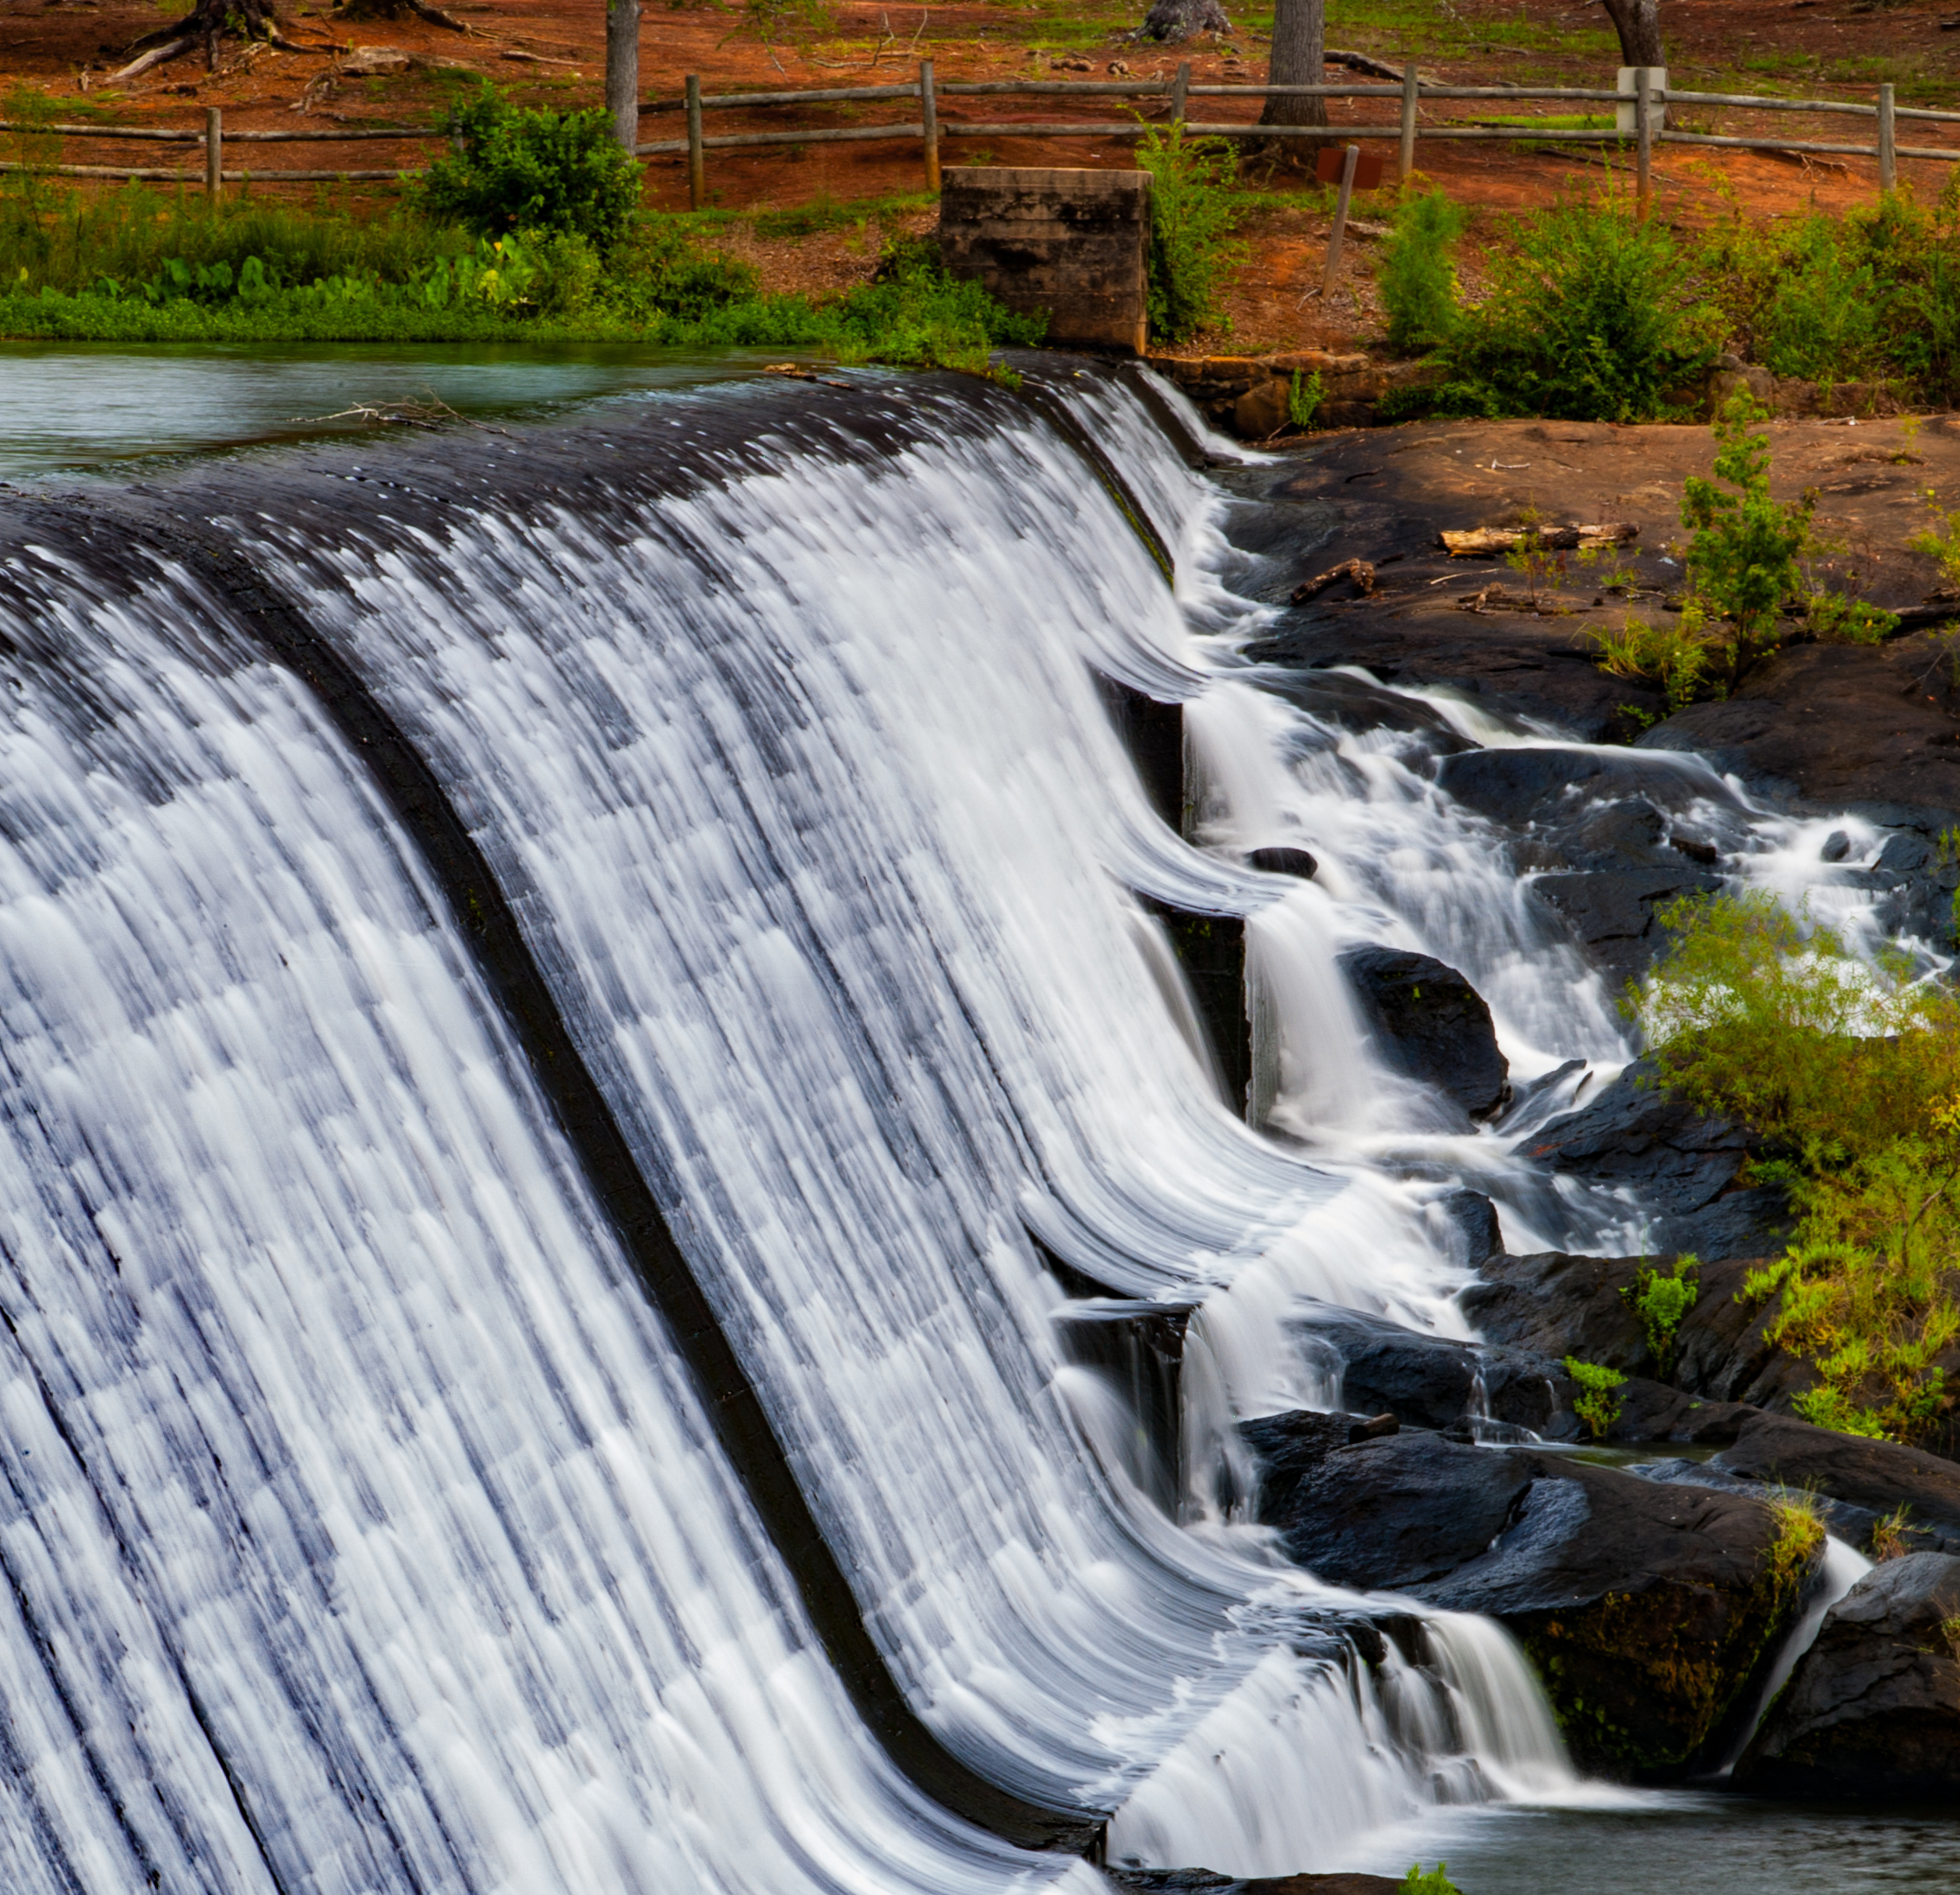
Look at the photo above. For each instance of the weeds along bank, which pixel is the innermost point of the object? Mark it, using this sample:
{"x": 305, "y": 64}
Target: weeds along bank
{"x": 531, "y": 232}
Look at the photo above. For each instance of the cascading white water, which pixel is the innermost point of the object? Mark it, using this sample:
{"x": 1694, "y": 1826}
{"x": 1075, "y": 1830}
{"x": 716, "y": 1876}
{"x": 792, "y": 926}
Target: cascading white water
{"x": 359, "y": 1532}
{"x": 787, "y": 751}
{"x": 796, "y": 773}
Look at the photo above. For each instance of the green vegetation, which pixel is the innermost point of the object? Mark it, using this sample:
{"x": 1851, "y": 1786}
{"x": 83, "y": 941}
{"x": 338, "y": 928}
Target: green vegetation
{"x": 1800, "y": 1539}
{"x": 1418, "y": 278}
{"x": 1889, "y": 1539}
{"x": 516, "y": 168}
{"x": 1597, "y": 1404}
{"x": 1753, "y": 559}
{"x": 1591, "y": 316}
{"x": 1303, "y": 400}
{"x": 1193, "y": 209}
{"x": 1434, "y": 1881}
{"x": 1850, "y": 1073}
{"x": 1661, "y": 1302}
{"x": 139, "y": 265}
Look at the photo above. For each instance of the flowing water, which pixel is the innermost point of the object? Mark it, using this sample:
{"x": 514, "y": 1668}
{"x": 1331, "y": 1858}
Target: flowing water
{"x": 363, "y": 1529}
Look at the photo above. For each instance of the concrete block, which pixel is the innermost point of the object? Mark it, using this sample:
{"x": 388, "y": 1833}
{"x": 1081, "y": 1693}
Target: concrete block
{"x": 1072, "y": 242}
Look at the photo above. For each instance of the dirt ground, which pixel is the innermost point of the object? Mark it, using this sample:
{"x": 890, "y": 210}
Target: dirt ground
{"x": 547, "y": 52}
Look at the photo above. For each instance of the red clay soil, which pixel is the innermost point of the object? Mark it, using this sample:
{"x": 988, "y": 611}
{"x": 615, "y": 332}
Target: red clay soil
{"x": 547, "y": 52}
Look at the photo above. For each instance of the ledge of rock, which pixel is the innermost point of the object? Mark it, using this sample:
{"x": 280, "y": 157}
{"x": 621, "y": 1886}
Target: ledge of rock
{"x": 1430, "y": 1025}
{"x": 1248, "y": 393}
{"x": 1650, "y": 1611}
{"x": 1207, "y": 1882}
{"x": 1872, "y": 1711}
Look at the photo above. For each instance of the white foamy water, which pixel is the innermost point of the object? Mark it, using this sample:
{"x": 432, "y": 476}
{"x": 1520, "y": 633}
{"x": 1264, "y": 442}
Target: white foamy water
{"x": 784, "y": 744}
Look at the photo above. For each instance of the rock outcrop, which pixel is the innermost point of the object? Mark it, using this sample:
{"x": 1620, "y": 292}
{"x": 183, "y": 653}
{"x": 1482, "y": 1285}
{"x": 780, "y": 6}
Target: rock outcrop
{"x": 1430, "y": 1025}
{"x": 1872, "y": 1711}
{"x": 1650, "y": 1611}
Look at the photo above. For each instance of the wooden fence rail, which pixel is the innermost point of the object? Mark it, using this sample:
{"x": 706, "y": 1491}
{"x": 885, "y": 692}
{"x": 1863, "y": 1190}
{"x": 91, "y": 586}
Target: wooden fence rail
{"x": 1649, "y": 104}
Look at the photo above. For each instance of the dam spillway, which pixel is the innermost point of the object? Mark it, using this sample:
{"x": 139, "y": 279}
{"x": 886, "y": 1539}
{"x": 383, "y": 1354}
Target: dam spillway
{"x": 368, "y": 1527}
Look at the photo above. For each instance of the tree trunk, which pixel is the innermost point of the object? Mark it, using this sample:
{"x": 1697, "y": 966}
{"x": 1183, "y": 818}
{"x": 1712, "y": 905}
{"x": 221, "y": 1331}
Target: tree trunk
{"x": 1300, "y": 42}
{"x": 1173, "y": 20}
{"x": 622, "y": 69}
{"x": 1638, "y": 24}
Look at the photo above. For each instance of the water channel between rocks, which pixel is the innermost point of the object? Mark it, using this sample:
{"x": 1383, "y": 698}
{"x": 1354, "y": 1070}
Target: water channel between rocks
{"x": 774, "y": 714}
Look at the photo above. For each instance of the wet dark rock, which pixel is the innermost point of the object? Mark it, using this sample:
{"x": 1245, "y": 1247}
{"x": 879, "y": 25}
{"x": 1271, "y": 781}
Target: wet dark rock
{"x": 1284, "y": 862}
{"x": 1430, "y": 1025}
{"x": 1610, "y": 912}
{"x": 1359, "y": 705}
{"x": 1558, "y": 1305}
{"x": 1880, "y": 1476}
{"x": 1872, "y": 1711}
{"x": 1208, "y": 1881}
{"x": 1675, "y": 1162}
{"x": 1556, "y": 787}
{"x": 1473, "y": 1221}
{"x": 1837, "y": 846}
{"x": 1650, "y": 1611}
{"x": 1430, "y": 1381}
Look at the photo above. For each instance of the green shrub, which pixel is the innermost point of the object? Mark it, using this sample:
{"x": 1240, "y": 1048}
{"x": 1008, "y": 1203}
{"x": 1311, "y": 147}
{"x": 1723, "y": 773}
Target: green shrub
{"x": 1850, "y": 1073}
{"x": 525, "y": 169}
{"x": 1435, "y": 1881}
{"x": 1744, "y": 560}
{"x": 1591, "y": 316}
{"x": 1418, "y": 278}
{"x": 1661, "y": 1302}
{"x": 1303, "y": 400}
{"x": 1192, "y": 213}
{"x": 1596, "y": 1404}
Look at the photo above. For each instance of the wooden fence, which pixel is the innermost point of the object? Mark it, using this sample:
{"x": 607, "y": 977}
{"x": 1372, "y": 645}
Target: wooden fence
{"x": 1647, "y": 104}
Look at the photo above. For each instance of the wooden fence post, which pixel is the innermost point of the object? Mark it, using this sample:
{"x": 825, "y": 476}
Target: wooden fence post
{"x": 697, "y": 160}
{"x": 1178, "y": 87}
{"x": 1349, "y": 159}
{"x": 929, "y": 117}
{"x": 214, "y": 151}
{"x": 1644, "y": 125}
{"x": 1412, "y": 93}
{"x": 1888, "y": 139}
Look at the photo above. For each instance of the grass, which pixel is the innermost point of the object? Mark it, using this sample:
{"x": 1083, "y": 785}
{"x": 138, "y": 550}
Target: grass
{"x": 142, "y": 266}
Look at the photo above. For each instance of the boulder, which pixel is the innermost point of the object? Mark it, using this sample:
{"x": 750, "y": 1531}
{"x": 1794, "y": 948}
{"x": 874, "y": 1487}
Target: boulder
{"x": 1678, "y": 1165}
{"x": 1433, "y": 1381}
{"x": 1872, "y": 1711}
{"x": 1555, "y": 1304}
{"x": 1431, "y": 1025}
{"x": 1652, "y": 1612}
{"x": 1880, "y": 1476}
{"x": 1284, "y": 861}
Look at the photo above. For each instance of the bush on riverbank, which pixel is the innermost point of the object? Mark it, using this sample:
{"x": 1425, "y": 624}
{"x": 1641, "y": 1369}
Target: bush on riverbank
{"x": 1591, "y": 315}
{"x": 141, "y": 266}
{"x": 1851, "y": 1075}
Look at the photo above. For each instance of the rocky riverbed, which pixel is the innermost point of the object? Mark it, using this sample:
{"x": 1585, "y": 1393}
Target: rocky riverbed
{"x": 1654, "y": 1576}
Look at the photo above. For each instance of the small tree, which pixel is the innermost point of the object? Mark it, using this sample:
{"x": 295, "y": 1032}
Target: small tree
{"x": 522, "y": 169}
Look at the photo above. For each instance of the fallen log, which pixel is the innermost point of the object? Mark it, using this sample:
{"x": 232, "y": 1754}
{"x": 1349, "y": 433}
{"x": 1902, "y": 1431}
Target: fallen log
{"x": 1359, "y": 570}
{"x": 1481, "y": 542}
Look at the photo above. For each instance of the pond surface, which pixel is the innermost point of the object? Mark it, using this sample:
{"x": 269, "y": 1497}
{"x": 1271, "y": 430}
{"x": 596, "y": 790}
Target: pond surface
{"x": 68, "y": 408}
{"x": 1679, "y": 1843}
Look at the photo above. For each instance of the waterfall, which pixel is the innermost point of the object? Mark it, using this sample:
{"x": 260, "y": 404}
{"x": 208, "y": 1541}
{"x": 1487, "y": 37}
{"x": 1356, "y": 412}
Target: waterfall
{"x": 773, "y": 714}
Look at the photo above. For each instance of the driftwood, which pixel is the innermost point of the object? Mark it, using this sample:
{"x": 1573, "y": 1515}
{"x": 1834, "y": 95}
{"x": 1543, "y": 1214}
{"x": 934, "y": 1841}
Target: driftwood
{"x": 1359, "y": 570}
{"x": 1482, "y": 542}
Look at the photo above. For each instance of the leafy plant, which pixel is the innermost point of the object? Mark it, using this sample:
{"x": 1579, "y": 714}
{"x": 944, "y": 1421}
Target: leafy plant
{"x": 520, "y": 168}
{"x": 1530, "y": 556}
{"x": 1940, "y": 540}
{"x": 1850, "y": 1073}
{"x": 1597, "y": 1403}
{"x": 1434, "y": 1881}
{"x": 1744, "y": 560}
{"x": 1592, "y": 315}
{"x": 1417, "y": 277}
{"x": 1192, "y": 213}
{"x": 1661, "y": 1302}
{"x": 1303, "y": 400}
